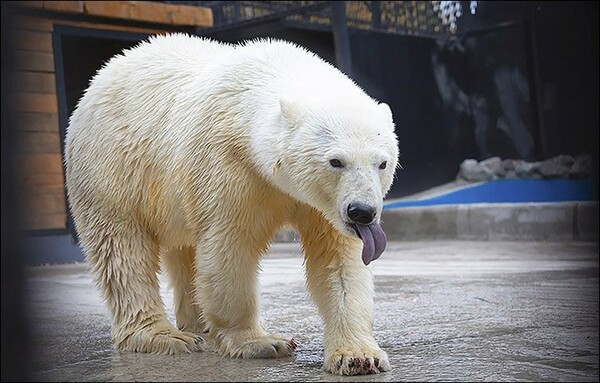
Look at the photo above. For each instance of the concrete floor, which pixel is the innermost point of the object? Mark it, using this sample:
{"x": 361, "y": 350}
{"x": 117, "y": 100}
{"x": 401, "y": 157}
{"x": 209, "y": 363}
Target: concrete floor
{"x": 446, "y": 310}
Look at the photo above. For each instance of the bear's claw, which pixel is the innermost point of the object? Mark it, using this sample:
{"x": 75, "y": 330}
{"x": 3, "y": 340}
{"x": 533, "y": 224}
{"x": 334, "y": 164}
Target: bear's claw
{"x": 341, "y": 364}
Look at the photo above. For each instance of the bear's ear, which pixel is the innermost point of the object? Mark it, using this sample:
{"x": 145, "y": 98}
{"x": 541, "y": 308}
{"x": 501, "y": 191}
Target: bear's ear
{"x": 291, "y": 113}
{"x": 386, "y": 111}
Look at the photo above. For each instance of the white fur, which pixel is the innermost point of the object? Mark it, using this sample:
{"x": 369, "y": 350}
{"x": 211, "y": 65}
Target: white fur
{"x": 192, "y": 153}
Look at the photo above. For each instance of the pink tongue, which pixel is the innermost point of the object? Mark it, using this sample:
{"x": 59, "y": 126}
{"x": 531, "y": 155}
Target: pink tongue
{"x": 374, "y": 241}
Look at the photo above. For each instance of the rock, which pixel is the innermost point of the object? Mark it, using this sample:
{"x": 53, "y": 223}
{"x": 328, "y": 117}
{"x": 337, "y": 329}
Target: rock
{"x": 525, "y": 169}
{"x": 556, "y": 167}
{"x": 561, "y": 166}
{"x": 508, "y": 166}
{"x": 582, "y": 167}
{"x": 471, "y": 171}
{"x": 493, "y": 167}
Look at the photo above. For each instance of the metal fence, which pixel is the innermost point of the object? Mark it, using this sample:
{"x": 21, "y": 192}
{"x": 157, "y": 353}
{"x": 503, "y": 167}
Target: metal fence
{"x": 432, "y": 19}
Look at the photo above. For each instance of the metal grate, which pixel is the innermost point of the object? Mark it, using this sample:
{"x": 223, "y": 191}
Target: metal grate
{"x": 433, "y": 19}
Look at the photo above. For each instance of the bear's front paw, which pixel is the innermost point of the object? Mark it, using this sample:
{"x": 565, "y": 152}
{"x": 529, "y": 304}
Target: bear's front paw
{"x": 357, "y": 362}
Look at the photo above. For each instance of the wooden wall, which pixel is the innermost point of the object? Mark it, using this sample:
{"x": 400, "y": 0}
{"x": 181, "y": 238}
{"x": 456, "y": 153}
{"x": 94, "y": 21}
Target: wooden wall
{"x": 34, "y": 93}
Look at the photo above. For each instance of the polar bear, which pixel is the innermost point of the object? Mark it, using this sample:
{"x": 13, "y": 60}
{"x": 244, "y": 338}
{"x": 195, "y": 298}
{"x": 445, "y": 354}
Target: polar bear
{"x": 187, "y": 155}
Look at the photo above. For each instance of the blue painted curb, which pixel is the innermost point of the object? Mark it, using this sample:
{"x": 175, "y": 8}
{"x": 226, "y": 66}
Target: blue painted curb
{"x": 510, "y": 191}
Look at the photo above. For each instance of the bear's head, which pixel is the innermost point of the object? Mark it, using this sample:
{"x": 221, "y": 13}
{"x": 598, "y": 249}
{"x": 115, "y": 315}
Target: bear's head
{"x": 341, "y": 158}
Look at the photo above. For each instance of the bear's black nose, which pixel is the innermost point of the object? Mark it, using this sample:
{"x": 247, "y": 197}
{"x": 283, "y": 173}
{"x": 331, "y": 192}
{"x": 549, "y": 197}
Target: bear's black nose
{"x": 361, "y": 213}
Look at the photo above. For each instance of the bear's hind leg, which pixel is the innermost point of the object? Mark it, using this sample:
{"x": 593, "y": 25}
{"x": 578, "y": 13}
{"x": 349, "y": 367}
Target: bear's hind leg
{"x": 124, "y": 261}
{"x": 180, "y": 266}
{"x": 227, "y": 291}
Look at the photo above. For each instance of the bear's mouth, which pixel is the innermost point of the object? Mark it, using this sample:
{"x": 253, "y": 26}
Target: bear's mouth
{"x": 373, "y": 238}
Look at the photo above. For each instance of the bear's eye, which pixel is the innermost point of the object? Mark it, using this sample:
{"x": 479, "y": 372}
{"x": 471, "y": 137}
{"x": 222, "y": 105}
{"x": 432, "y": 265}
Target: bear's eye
{"x": 336, "y": 163}
{"x": 383, "y": 165}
